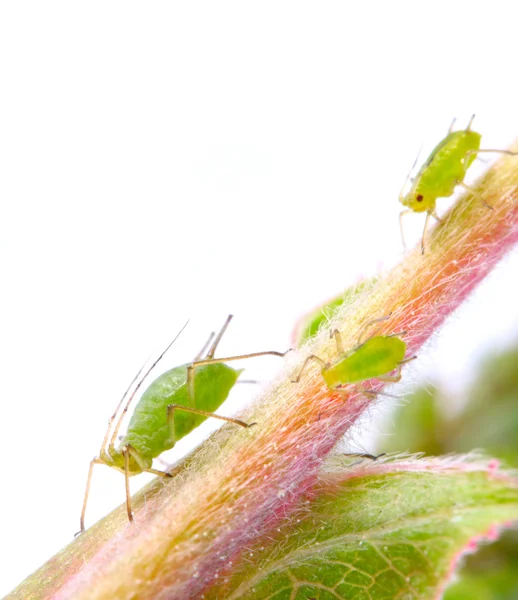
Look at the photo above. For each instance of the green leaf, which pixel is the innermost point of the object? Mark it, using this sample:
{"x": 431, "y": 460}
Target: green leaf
{"x": 489, "y": 419}
{"x": 418, "y": 426}
{"x": 378, "y": 531}
{"x": 491, "y": 573}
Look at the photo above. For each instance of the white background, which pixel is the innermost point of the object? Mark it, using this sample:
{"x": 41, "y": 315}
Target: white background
{"x": 163, "y": 161}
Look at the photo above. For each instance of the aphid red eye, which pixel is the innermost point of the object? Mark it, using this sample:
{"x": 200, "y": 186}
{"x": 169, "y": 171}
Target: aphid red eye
{"x": 419, "y": 197}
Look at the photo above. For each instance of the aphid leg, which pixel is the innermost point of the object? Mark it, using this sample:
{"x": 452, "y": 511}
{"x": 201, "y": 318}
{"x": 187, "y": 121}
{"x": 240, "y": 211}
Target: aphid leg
{"x": 126, "y": 454}
{"x": 95, "y": 461}
{"x": 406, "y": 360}
{"x": 397, "y": 376}
{"x": 349, "y": 389}
{"x": 391, "y": 378}
{"x": 428, "y": 215}
{"x": 212, "y": 361}
{"x": 142, "y": 464}
{"x": 361, "y": 455}
{"x": 135, "y": 455}
{"x": 370, "y": 393}
{"x": 398, "y": 333}
{"x": 372, "y": 457}
{"x": 170, "y": 418}
{"x": 369, "y": 324}
{"x": 463, "y": 185}
{"x": 401, "y": 214}
{"x": 477, "y": 152}
{"x": 468, "y": 189}
{"x": 157, "y": 472}
{"x": 493, "y": 151}
{"x": 338, "y": 339}
{"x": 436, "y": 216}
{"x": 322, "y": 364}
{"x": 190, "y": 381}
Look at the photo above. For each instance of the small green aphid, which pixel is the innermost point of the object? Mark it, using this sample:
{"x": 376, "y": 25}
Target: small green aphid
{"x": 309, "y": 325}
{"x": 374, "y": 358}
{"x": 443, "y": 171}
{"x": 170, "y": 408}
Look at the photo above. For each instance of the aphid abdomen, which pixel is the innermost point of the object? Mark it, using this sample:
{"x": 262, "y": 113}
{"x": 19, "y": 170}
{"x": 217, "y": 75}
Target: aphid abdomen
{"x": 148, "y": 430}
{"x": 212, "y": 384}
{"x": 378, "y": 356}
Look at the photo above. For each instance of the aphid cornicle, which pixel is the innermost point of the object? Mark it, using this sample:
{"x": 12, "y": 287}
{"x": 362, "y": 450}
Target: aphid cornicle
{"x": 374, "y": 358}
{"x": 442, "y": 172}
{"x": 170, "y": 408}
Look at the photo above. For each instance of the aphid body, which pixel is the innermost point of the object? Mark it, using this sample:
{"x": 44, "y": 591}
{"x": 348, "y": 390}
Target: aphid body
{"x": 443, "y": 171}
{"x": 151, "y": 430}
{"x": 375, "y": 358}
{"x": 171, "y": 407}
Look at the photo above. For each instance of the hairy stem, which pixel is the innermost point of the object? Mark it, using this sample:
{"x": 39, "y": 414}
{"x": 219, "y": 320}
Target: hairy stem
{"x": 240, "y": 484}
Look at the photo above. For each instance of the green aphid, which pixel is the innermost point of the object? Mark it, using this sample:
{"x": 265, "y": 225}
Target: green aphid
{"x": 170, "y": 408}
{"x": 443, "y": 171}
{"x": 309, "y": 325}
{"x": 375, "y": 358}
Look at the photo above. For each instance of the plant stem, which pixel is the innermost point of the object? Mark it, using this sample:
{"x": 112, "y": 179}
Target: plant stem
{"x": 241, "y": 484}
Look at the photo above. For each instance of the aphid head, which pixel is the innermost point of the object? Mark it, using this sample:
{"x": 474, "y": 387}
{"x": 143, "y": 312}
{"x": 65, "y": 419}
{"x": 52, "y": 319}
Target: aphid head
{"x": 416, "y": 200}
{"x": 116, "y": 460}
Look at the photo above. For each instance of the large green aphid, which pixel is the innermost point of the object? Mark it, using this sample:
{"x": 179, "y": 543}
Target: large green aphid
{"x": 375, "y": 358}
{"x": 170, "y": 408}
{"x": 443, "y": 171}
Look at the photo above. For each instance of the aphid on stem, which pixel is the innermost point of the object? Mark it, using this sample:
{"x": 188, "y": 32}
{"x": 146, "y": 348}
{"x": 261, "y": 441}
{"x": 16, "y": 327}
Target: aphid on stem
{"x": 170, "y": 408}
{"x": 374, "y": 358}
{"x": 442, "y": 172}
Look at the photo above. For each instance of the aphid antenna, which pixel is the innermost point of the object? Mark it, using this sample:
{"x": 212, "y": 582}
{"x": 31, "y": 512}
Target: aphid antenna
{"x": 133, "y": 394}
{"x": 408, "y": 177}
{"x": 124, "y": 396}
